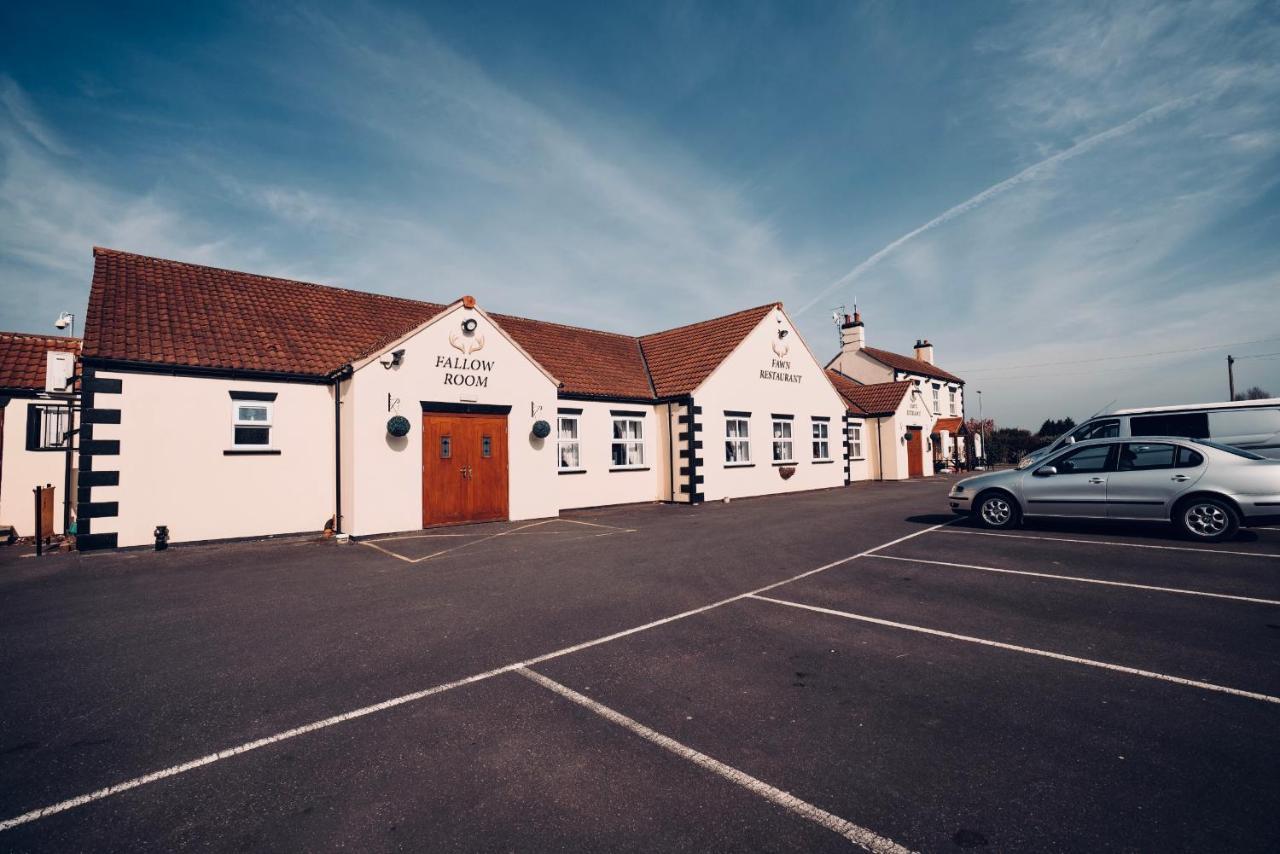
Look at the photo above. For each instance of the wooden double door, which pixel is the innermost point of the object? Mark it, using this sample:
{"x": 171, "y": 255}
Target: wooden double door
{"x": 464, "y": 468}
{"x": 915, "y": 452}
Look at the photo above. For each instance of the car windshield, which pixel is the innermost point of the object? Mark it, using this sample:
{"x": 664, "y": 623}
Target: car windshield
{"x": 1248, "y": 455}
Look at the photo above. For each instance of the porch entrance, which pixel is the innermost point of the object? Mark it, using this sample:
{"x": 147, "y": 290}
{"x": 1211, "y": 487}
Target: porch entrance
{"x": 915, "y": 452}
{"x": 464, "y": 468}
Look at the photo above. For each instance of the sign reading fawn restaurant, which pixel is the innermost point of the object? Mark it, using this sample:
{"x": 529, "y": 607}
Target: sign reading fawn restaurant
{"x": 779, "y": 369}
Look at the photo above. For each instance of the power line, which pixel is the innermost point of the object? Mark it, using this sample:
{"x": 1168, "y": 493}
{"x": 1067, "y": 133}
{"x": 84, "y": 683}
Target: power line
{"x": 1130, "y": 356}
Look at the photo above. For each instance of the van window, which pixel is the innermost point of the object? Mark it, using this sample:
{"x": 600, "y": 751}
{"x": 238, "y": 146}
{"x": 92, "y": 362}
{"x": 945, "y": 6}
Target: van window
{"x": 1108, "y": 429}
{"x": 1193, "y": 425}
{"x": 1260, "y": 424}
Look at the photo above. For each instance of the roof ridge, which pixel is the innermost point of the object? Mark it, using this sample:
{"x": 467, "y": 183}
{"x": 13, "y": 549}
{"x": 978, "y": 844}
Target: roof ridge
{"x": 562, "y": 325}
{"x": 775, "y": 303}
{"x": 103, "y": 250}
{"x": 41, "y": 336}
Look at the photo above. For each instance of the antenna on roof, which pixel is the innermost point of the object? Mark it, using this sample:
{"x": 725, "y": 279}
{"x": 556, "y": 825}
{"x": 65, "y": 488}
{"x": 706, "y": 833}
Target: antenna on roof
{"x": 838, "y": 315}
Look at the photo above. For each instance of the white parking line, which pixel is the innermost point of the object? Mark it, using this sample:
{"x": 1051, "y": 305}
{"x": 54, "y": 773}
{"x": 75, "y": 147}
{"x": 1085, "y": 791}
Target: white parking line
{"x": 374, "y": 545}
{"x": 134, "y": 783}
{"x": 860, "y": 836}
{"x": 1119, "y": 668}
{"x": 1081, "y": 579}
{"x": 1110, "y": 543}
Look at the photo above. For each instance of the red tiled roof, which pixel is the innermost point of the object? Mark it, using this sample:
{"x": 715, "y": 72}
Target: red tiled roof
{"x": 162, "y": 312}
{"x": 680, "y": 359}
{"x": 951, "y": 425}
{"x": 154, "y": 311}
{"x": 910, "y": 365}
{"x": 22, "y": 358}
{"x": 874, "y": 399}
{"x": 847, "y": 387}
{"x": 586, "y": 361}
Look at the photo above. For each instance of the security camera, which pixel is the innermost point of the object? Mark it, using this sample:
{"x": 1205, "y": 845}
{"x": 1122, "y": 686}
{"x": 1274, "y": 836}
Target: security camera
{"x": 469, "y": 325}
{"x": 392, "y": 359}
{"x": 64, "y": 320}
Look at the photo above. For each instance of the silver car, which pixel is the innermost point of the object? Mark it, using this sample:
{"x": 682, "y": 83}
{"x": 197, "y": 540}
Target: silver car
{"x": 1205, "y": 489}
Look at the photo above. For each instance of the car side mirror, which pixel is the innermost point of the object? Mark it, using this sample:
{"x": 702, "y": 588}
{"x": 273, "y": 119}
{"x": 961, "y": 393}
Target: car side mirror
{"x": 1045, "y": 471}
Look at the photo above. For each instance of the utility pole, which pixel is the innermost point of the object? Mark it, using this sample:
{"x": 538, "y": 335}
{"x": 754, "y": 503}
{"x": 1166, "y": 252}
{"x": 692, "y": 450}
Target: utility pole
{"x": 1231, "y": 377}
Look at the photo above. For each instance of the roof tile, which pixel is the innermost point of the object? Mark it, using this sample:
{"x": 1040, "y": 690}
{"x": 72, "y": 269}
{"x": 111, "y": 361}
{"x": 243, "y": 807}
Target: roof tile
{"x": 22, "y": 358}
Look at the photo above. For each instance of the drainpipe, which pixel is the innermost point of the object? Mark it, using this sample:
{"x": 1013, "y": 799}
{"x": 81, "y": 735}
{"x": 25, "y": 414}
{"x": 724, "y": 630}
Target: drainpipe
{"x": 880, "y": 445}
{"x": 344, "y": 373}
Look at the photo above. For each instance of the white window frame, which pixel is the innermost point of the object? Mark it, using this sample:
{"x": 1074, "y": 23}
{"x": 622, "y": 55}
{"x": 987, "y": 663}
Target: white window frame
{"x": 855, "y": 440}
{"x": 563, "y": 442}
{"x": 952, "y": 392}
{"x": 740, "y": 441}
{"x": 937, "y": 398}
{"x": 269, "y": 423}
{"x": 628, "y": 443}
{"x": 821, "y": 437}
{"x": 786, "y": 441}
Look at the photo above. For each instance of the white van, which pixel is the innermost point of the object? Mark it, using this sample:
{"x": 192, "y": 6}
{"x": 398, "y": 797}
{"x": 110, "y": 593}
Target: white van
{"x": 1253, "y": 425}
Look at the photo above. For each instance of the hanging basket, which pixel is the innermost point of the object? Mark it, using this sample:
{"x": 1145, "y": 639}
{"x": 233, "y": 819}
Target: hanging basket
{"x": 541, "y": 429}
{"x": 398, "y": 426}
{"x": 786, "y": 472}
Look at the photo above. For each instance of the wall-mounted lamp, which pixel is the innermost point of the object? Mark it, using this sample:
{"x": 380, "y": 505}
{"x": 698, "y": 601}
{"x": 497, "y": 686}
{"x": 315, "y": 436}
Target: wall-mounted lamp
{"x": 782, "y": 333}
{"x": 66, "y": 319}
{"x": 469, "y": 325}
{"x": 394, "y": 359}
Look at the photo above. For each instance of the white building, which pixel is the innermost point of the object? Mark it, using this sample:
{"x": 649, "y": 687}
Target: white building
{"x": 221, "y": 404}
{"x": 34, "y": 420}
{"x": 918, "y": 403}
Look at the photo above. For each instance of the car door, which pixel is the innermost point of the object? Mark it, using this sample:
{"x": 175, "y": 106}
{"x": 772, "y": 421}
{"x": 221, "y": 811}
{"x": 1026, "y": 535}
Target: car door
{"x": 1148, "y": 479}
{"x": 1077, "y": 488}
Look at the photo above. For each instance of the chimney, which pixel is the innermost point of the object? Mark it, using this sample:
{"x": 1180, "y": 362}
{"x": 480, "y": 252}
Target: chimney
{"x": 852, "y": 335}
{"x": 924, "y": 351}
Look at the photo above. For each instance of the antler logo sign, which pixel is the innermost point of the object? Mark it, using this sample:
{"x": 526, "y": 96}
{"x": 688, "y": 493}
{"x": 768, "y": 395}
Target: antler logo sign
{"x": 781, "y": 347}
{"x": 466, "y": 344}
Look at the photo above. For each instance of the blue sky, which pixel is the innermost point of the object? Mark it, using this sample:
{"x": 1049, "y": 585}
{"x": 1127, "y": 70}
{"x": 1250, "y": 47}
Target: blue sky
{"x": 1035, "y": 187}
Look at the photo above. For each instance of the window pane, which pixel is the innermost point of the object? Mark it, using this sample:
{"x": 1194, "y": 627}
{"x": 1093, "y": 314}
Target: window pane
{"x": 446, "y": 447}
{"x": 1189, "y": 459}
{"x": 1135, "y": 457}
{"x": 619, "y": 429}
{"x": 486, "y": 446}
{"x": 253, "y": 436}
{"x": 568, "y": 428}
{"x": 1084, "y": 461}
{"x": 1194, "y": 425}
{"x": 252, "y": 413}
{"x": 619, "y": 454}
{"x": 1098, "y": 430}
{"x": 569, "y": 455}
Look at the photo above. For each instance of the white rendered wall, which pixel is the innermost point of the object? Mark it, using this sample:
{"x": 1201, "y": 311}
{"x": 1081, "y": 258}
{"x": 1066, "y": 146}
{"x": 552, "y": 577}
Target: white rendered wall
{"x": 22, "y": 470}
{"x": 173, "y": 432}
{"x": 862, "y": 468}
{"x": 387, "y": 473}
{"x": 738, "y": 385}
{"x": 600, "y": 484}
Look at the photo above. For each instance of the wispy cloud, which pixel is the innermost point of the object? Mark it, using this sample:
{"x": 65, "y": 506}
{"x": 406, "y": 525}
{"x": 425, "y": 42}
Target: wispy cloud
{"x": 1031, "y": 172}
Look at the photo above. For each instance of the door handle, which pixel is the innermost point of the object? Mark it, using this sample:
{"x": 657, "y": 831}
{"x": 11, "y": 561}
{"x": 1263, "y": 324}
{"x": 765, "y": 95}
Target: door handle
{"x": 1180, "y": 478}
{"x": 1097, "y": 480}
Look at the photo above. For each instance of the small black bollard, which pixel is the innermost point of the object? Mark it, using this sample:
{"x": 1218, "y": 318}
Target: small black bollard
{"x": 162, "y": 537}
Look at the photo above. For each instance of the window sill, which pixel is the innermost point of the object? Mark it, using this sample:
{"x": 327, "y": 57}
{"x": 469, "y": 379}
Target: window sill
{"x": 629, "y": 468}
{"x": 822, "y": 462}
{"x": 784, "y": 462}
{"x": 571, "y": 471}
{"x": 739, "y": 465}
{"x": 857, "y": 459}
{"x": 251, "y": 452}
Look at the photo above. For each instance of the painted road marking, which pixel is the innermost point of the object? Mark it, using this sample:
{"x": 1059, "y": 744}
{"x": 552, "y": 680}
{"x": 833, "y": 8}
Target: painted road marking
{"x": 484, "y": 539}
{"x": 134, "y": 783}
{"x": 1111, "y": 543}
{"x": 1081, "y": 579}
{"x": 1057, "y": 656}
{"x": 856, "y": 834}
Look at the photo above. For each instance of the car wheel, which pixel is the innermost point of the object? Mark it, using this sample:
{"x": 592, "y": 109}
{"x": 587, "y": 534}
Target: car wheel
{"x": 997, "y": 510}
{"x": 1206, "y": 519}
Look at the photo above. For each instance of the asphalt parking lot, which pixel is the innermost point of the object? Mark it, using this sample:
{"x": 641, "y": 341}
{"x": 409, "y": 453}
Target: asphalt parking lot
{"x": 823, "y": 671}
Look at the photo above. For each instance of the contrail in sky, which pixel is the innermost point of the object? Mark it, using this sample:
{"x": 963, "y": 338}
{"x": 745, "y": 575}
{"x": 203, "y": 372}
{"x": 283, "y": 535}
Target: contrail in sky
{"x": 994, "y": 190}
